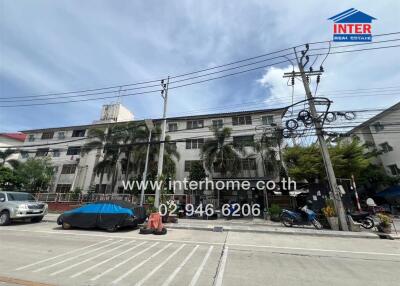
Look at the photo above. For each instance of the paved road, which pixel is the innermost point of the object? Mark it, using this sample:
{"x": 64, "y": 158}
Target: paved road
{"x": 44, "y": 253}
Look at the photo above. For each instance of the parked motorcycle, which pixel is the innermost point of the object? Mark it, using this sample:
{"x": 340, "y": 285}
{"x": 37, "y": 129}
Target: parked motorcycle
{"x": 304, "y": 216}
{"x": 364, "y": 218}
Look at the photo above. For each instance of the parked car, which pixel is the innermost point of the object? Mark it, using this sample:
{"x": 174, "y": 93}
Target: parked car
{"x": 20, "y": 206}
{"x": 108, "y": 215}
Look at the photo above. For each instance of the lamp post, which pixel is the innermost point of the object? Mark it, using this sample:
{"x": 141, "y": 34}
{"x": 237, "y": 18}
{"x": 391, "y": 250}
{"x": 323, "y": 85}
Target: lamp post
{"x": 150, "y": 126}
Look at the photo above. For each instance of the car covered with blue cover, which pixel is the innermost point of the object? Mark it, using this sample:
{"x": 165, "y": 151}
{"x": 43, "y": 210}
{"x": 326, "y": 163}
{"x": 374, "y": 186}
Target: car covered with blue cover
{"x": 108, "y": 215}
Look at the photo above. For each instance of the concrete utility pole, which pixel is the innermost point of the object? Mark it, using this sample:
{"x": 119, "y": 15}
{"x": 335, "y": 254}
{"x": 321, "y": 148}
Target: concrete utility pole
{"x": 324, "y": 148}
{"x": 164, "y": 95}
{"x": 150, "y": 127}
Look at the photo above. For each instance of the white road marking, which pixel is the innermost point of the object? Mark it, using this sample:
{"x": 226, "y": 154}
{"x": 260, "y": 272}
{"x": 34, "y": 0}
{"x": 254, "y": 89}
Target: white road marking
{"x": 123, "y": 262}
{"x": 141, "y": 263}
{"x": 61, "y": 255}
{"x": 207, "y": 243}
{"x": 159, "y": 266}
{"x": 107, "y": 260}
{"x": 221, "y": 269}
{"x": 74, "y": 257}
{"x": 90, "y": 258}
{"x": 179, "y": 268}
{"x": 200, "y": 269}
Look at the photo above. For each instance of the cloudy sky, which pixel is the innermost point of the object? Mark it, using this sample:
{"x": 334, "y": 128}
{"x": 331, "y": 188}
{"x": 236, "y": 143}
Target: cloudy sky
{"x": 57, "y": 46}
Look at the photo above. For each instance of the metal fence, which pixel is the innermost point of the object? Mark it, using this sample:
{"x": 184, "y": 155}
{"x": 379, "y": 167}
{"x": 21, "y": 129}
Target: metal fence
{"x": 94, "y": 197}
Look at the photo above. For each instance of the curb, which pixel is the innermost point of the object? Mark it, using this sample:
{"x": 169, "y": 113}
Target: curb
{"x": 276, "y": 231}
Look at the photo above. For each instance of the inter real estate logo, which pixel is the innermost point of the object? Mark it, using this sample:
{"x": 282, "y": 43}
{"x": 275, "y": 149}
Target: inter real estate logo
{"x": 352, "y": 26}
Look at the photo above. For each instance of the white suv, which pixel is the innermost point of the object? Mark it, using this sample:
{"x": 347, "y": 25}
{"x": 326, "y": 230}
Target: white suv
{"x": 18, "y": 205}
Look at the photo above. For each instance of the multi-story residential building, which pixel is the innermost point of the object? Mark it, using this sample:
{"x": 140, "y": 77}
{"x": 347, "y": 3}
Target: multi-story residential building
{"x": 383, "y": 133}
{"x": 76, "y": 171}
{"x": 11, "y": 140}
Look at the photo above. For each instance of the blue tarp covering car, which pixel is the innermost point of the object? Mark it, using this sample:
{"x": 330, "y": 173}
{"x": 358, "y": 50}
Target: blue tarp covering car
{"x": 108, "y": 215}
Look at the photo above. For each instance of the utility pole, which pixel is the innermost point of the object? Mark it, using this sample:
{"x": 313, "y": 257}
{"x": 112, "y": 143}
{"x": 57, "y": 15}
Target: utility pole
{"x": 164, "y": 95}
{"x": 150, "y": 127}
{"x": 323, "y": 146}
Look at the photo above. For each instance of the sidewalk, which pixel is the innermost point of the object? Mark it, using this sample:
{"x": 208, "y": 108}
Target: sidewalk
{"x": 258, "y": 225}
{"x": 263, "y": 226}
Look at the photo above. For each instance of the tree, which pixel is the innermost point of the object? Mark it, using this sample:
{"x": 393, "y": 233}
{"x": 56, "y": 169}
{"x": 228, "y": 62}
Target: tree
{"x": 266, "y": 148}
{"x": 9, "y": 179}
{"x": 35, "y": 174}
{"x": 347, "y": 158}
{"x": 220, "y": 154}
{"x": 197, "y": 172}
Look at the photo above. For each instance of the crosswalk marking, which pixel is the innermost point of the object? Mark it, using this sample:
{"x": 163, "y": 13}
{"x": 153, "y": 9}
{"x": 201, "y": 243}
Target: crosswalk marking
{"x": 73, "y": 257}
{"x": 123, "y": 262}
{"x": 179, "y": 268}
{"x": 155, "y": 269}
{"x": 61, "y": 255}
{"x": 200, "y": 269}
{"x": 140, "y": 264}
{"x": 221, "y": 269}
{"x": 90, "y": 258}
{"x": 107, "y": 260}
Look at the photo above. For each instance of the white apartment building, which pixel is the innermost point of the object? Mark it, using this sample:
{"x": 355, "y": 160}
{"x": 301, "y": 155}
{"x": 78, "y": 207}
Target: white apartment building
{"x": 73, "y": 170}
{"x": 383, "y": 132}
{"x": 11, "y": 140}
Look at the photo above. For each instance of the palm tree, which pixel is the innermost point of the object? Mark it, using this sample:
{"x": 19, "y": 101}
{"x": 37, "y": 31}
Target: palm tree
{"x": 269, "y": 155}
{"x": 5, "y": 154}
{"x": 220, "y": 154}
{"x": 107, "y": 140}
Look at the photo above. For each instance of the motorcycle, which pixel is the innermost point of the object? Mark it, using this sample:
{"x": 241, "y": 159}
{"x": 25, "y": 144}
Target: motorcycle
{"x": 304, "y": 216}
{"x": 364, "y": 218}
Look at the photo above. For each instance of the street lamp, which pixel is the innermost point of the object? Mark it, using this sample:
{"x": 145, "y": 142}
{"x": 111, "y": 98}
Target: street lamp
{"x": 150, "y": 127}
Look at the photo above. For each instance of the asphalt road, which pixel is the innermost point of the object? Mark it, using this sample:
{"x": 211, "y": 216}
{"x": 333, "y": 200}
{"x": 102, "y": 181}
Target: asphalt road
{"x": 31, "y": 254}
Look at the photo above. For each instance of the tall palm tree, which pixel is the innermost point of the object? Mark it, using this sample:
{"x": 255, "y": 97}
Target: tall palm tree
{"x": 266, "y": 148}
{"x": 106, "y": 140}
{"x": 220, "y": 153}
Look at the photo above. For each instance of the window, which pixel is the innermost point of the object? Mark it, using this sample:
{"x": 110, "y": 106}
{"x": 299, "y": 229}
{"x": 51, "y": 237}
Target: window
{"x": 241, "y": 120}
{"x": 24, "y": 154}
{"x": 2, "y": 197}
{"x": 31, "y": 138}
{"x": 74, "y": 150}
{"x": 68, "y": 169}
{"x": 61, "y": 135}
{"x": 193, "y": 124}
{"x": 194, "y": 143}
{"x": 47, "y": 135}
{"x": 386, "y": 147}
{"x": 63, "y": 188}
{"x": 56, "y": 153}
{"x": 78, "y": 133}
{"x": 378, "y": 127}
{"x": 249, "y": 164}
{"x": 172, "y": 127}
{"x": 41, "y": 152}
{"x": 243, "y": 141}
{"x": 267, "y": 119}
{"x": 219, "y": 123}
{"x": 189, "y": 163}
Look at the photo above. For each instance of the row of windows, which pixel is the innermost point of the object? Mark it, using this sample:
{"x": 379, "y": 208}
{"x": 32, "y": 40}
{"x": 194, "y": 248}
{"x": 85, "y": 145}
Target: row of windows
{"x": 219, "y": 123}
{"x": 42, "y": 152}
{"x": 242, "y": 141}
{"x": 246, "y": 165}
{"x": 60, "y": 135}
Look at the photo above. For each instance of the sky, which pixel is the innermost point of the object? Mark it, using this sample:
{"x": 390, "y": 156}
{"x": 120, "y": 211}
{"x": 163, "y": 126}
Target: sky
{"x": 58, "y": 46}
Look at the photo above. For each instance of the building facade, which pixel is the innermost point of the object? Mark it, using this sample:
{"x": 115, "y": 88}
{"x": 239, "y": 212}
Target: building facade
{"x": 13, "y": 140}
{"x": 74, "y": 170}
{"x": 383, "y": 133}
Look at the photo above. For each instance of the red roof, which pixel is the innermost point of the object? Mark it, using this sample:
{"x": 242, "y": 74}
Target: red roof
{"x": 16, "y": 136}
